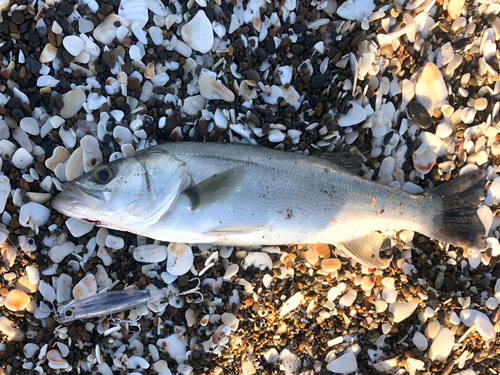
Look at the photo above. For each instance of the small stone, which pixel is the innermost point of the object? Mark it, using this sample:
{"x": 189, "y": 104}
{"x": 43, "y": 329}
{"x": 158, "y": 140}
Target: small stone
{"x": 419, "y": 114}
{"x": 16, "y": 300}
{"x": 432, "y": 329}
{"x": 330, "y": 264}
{"x": 311, "y": 256}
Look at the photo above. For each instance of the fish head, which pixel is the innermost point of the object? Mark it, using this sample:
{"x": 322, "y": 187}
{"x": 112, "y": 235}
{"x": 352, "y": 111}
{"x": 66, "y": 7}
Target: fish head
{"x": 127, "y": 193}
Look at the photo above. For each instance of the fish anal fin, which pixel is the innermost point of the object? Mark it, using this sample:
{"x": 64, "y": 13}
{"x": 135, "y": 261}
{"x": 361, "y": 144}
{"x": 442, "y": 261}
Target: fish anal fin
{"x": 215, "y": 188}
{"x": 365, "y": 249}
{"x": 349, "y": 162}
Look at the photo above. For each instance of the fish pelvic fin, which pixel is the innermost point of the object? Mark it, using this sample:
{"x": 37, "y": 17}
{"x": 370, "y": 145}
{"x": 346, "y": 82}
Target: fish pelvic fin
{"x": 366, "y": 249}
{"x": 457, "y": 222}
{"x": 215, "y": 188}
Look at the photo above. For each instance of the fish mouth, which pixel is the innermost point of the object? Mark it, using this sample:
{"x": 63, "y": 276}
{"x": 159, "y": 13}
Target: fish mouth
{"x": 74, "y": 198}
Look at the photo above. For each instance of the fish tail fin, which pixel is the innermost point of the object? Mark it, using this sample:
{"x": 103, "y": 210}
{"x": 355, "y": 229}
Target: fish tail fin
{"x": 457, "y": 222}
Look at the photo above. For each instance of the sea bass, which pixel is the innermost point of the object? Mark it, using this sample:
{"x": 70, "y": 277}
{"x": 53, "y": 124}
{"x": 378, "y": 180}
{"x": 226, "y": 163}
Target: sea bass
{"x": 229, "y": 194}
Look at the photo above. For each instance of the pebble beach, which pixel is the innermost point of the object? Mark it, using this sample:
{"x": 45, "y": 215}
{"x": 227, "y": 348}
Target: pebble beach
{"x": 411, "y": 87}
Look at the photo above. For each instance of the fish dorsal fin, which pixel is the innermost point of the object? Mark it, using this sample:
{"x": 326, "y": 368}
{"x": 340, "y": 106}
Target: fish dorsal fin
{"x": 345, "y": 160}
{"x": 365, "y": 249}
{"x": 215, "y": 188}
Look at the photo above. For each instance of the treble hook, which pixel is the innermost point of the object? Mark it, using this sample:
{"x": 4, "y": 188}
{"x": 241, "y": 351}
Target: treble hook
{"x": 195, "y": 290}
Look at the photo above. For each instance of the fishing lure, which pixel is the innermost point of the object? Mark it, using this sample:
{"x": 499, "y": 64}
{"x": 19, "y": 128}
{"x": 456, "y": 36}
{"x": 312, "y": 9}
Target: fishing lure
{"x": 108, "y": 303}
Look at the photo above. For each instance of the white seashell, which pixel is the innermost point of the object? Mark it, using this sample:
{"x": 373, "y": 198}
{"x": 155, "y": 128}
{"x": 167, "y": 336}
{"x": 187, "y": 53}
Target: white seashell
{"x": 22, "y": 159}
{"x": 47, "y": 81}
{"x": 136, "y": 361}
{"x": 55, "y": 356}
{"x": 83, "y": 57}
{"x": 86, "y": 287}
{"x": 182, "y": 48}
{"x": 156, "y": 35}
{"x": 194, "y": 104}
{"x": 114, "y": 242}
{"x": 33, "y": 275}
{"x": 73, "y": 44}
{"x": 198, "y": 33}
{"x": 135, "y": 53}
{"x": 354, "y": 116}
{"x": 84, "y": 25}
{"x": 139, "y": 33}
{"x": 442, "y": 345}
{"x": 4, "y": 191}
{"x": 150, "y": 253}
{"x": 74, "y": 167}
{"x": 402, "y": 310}
{"x": 259, "y": 260}
{"x": 121, "y": 33}
{"x": 30, "y": 125}
{"x": 285, "y": 74}
{"x": 247, "y": 90}
{"x": 356, "y": 10}
{"x": 73, "y": 102}
{"x": 425, "y": 161}
{"x": 106, "y": 31}
{"x": 77, "y": 227}
{"x": 346, "y": 363}
{"x": 59, "y": 252}
{"x": 291, "y": 303}
{"x": 430, "y": 88}
{"x": 212, "y": 90}
{"x": 122, "y": 135}
{"x": 59, "y": 155}
{"x": 95, "y": 101}
{"x": 47, "y": 292}
{"x": 135, "y": 11}
{"x": 157, "y": 7}
{"x": 455, "y": 8}
{"x": 68, "y": 137}
{"x": 48, "y": 54}
{"x": 180, "y": 258}
{"x": 445, "y": 55}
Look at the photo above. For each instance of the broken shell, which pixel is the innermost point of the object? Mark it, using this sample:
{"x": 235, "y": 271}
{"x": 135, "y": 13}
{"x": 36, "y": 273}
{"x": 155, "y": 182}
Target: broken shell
{"x": 85, "y": 288}
{"x": 106, "y": 31}
{"x": 180, "y": 258}
{"x": 135, "y": 11}
{"x": 48, "y": 54}
{"x": 73, "y": 102}
{"x": 16, "y": 300}
{"x": 212, "y": 90}
{"x": 198, "y": 33}
{"x": 73, "y": 44}
{"x": 55, "y": 356}
{"x": 194, "y": 104}
{"x": 430, "y": 88}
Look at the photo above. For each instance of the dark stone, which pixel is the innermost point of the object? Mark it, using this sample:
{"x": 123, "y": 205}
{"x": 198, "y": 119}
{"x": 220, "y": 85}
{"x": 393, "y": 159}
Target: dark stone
{"x": 253, "y": 75}
{"x": 65, "y": 7}
{"x": 318, "y": 81}
{"x": 297, "y": 28}
{"x": 419, "y": 115}
{"x": 35, "y": 101}
{"x": 296, "y": 48}
{"x": 34, "y": 40}
{"x": 17, "y": 115}
{"x": 271, "y": 46}
{"x": 8, "y": 46}
{"x": 18, "y": 17}
{"x": 13, "y": 103}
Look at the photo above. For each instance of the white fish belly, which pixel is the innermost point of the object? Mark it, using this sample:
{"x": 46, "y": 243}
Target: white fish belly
{"x": 293, "y": 200}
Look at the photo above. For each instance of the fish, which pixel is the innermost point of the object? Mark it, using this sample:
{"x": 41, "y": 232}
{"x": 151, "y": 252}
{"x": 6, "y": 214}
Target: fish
{"x": 241, "y": 195}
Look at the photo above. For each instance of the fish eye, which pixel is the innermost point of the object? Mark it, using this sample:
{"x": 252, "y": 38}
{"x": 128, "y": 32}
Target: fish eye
{"x": 68, "y": 313}
{"x": 103, "y": 174}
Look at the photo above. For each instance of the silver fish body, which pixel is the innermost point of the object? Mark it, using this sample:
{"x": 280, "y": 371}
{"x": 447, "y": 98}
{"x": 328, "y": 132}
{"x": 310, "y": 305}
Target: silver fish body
{"x": 241, "y": 195}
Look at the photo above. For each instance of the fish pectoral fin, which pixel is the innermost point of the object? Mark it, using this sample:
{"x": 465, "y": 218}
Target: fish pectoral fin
{"x": 345, "y": 160}
{"x": 215, "y": 188}
{"x": 365, "y": 249}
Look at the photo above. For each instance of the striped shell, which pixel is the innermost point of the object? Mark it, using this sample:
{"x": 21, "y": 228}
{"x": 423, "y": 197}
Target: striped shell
{"x": 135, "y": 11}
